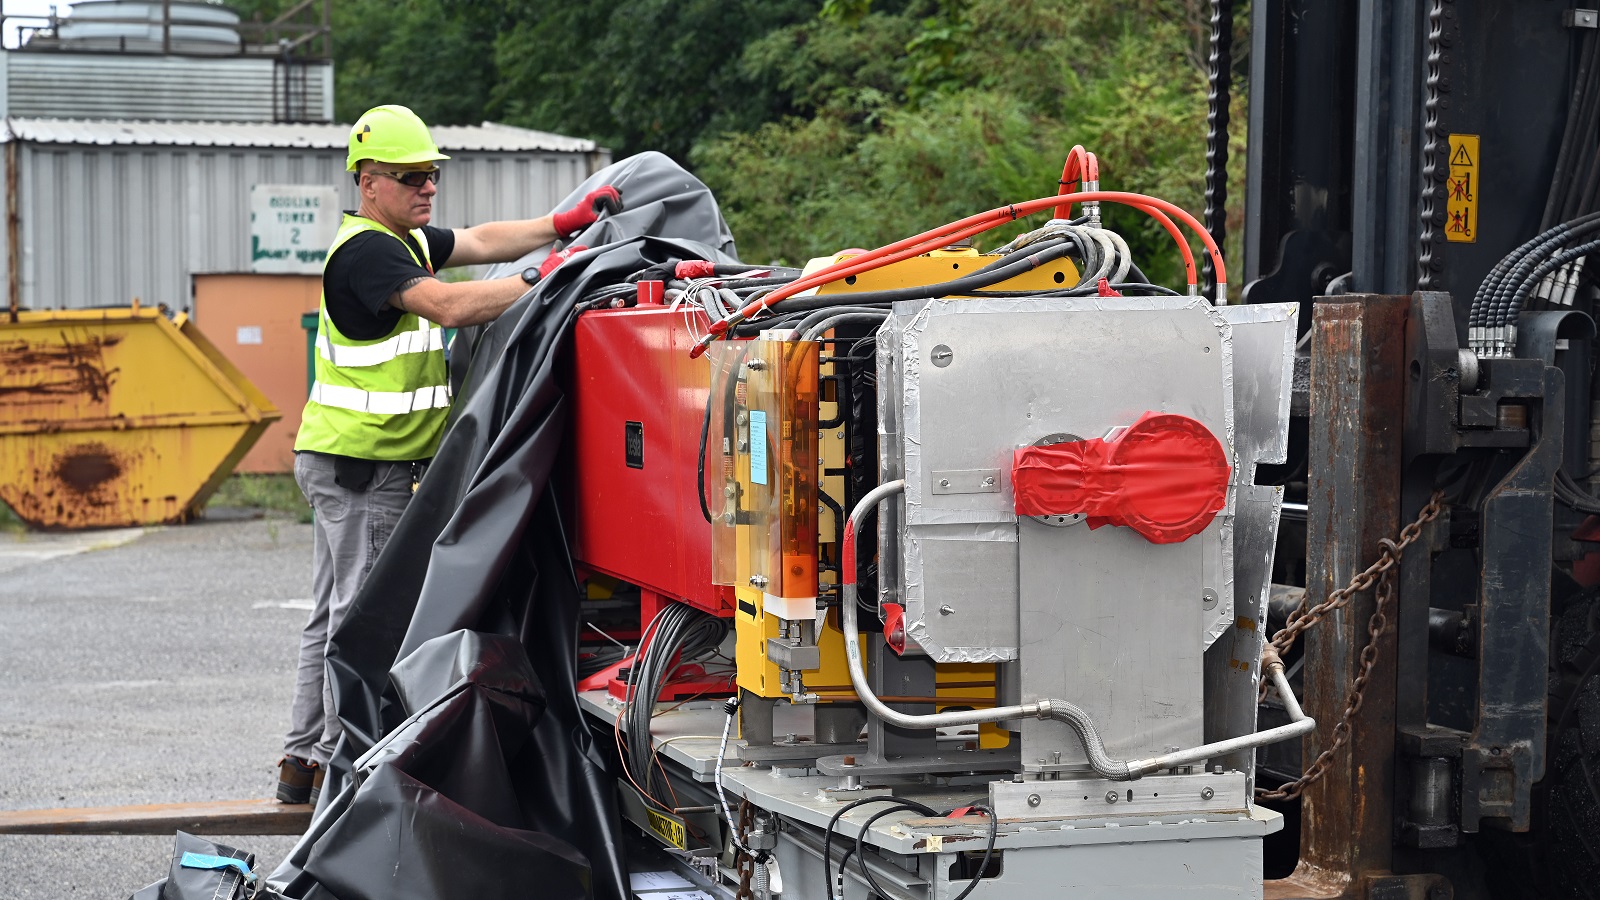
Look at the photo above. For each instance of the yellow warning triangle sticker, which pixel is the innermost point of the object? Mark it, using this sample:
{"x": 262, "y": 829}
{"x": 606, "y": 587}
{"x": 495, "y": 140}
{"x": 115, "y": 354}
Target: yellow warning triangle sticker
{"x": 1461, "y": 157}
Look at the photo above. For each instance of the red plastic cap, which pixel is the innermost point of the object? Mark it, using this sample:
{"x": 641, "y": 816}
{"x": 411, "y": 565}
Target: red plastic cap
{"x": 1165, "y": 477}
{"x": 694, "y": 268}
{"x": 894, "y": 627}
{"x": 652, "y": 293}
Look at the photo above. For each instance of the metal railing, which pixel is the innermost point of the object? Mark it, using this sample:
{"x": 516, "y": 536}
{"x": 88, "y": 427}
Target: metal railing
{"x": 301, "y": 32}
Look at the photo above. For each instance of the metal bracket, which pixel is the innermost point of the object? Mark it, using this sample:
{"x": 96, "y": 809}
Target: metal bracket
{"x": 966, "y": 481}
{"x": 1154, "y": 795}
{"x": 804, "y": 657}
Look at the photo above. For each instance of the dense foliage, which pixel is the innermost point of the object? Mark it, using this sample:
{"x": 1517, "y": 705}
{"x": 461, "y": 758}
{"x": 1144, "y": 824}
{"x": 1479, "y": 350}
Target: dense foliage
{"x": 821, "y": 124}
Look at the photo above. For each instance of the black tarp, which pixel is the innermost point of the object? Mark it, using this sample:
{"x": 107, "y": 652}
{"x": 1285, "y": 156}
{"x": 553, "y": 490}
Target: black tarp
{"x": 483, "y": 549}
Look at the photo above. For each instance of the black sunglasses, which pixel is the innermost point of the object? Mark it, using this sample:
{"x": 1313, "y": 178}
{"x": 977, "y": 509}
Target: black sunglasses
{"x": 413, "y": 179}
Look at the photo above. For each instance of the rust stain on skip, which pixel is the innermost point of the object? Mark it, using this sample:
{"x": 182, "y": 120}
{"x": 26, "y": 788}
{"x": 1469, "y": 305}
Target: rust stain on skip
{"x": 36, "y": 371}
{"x": 86, "y": 468}
{"x": 72, "y": 488}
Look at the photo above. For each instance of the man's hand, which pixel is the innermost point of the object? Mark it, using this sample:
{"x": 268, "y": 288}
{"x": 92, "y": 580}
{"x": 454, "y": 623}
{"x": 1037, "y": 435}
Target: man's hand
{"x": 555, "y": 259}
{"x": 605, "y": 200}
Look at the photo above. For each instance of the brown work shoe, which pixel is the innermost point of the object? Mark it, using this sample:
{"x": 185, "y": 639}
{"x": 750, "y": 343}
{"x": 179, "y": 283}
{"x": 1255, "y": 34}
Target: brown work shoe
{"x": 316, "y": 784}
{"x": 298, "y": 779}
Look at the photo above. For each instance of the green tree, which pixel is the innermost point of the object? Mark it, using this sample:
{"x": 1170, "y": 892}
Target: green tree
{"x": 994, "y": 94}
{"x": 640, "y": 74}
{"x": 822, "y": 124}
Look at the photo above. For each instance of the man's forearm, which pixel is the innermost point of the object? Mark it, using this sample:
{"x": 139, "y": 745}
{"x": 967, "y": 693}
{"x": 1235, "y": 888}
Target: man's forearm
{"x": 494, "y": 242}
{"x": 460, "y": 304}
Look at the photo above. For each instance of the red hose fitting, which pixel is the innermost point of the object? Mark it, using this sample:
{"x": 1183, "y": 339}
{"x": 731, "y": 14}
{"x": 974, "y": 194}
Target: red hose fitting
{"x": 689, "y": 269}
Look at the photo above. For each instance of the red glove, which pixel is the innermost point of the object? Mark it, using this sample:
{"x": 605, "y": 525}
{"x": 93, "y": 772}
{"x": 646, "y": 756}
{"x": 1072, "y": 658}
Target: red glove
{"x": 554, "y": 260}
{"x": 600, "y": 200}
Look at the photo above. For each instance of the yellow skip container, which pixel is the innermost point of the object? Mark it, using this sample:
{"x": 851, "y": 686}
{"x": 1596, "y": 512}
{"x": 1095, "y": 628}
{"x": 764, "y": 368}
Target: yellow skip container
{"x": 115, "y": 417}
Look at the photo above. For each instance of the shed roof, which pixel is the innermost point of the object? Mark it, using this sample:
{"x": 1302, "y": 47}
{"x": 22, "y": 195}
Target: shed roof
{"x": 488, "y": 137}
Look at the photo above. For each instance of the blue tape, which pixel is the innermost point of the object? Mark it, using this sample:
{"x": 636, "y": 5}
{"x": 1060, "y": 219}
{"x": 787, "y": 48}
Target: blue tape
{"x": 203, "y": 861}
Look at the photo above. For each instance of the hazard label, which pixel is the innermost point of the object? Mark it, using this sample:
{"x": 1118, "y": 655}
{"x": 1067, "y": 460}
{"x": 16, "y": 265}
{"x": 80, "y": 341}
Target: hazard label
{"x": 668, "y": 828}
{"x": 1461, "y": 190}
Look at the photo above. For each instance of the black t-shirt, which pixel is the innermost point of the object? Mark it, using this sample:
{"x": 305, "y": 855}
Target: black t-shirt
{"x": 361, "y": 276}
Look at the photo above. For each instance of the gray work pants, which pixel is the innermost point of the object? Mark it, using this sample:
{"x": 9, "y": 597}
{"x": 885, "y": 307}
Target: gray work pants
{"x": 349, "y": 532}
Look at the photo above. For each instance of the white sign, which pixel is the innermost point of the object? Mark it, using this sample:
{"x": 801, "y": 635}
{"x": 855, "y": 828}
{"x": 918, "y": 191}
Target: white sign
{"x": 249, "y": 334}
{"x": 291, "y": 226}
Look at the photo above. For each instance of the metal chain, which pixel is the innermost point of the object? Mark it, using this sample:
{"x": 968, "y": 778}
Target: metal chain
{"x": 1341, "y": 732}
{"x": 1219, "y": 71}
{"x": 743, "y": 862}
{"x": 1303, "y": 619}
{"x": 1430, "y": 211}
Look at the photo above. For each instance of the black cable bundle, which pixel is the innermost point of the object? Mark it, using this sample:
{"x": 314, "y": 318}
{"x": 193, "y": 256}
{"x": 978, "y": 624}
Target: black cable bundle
{"x": 1505, "y": 290}
{"x": 680, "y": 632}
{"x": 1017, "y": 262}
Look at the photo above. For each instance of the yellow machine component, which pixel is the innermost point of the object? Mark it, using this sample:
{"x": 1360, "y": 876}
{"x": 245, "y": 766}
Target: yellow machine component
{"x": 765, "y": 537}
{"x": 753, "y": 627}
{"x": 956, "y": 681}
{"x": 118, "y": 417}
{"x": 944, "y": 265}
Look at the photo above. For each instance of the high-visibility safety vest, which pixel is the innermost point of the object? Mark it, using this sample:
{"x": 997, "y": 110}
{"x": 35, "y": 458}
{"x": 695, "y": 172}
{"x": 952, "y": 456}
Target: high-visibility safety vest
{"x": 385, "y": 399}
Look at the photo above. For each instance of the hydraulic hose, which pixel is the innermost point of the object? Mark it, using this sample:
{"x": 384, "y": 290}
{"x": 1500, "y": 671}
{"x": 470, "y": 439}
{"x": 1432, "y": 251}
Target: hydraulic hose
{"x": 813, "y": 318}
{"x": 1483, "y": 300}
{"x": 1506, "y": 303}
{"x": 960, "y": 230}
{"x": 1060, "y": 710}
{"x": 1081, "y": 167}
{"x": 971, "y": 282}
{"x": 815, "y": 331}
{"x": 1520, "y": 296}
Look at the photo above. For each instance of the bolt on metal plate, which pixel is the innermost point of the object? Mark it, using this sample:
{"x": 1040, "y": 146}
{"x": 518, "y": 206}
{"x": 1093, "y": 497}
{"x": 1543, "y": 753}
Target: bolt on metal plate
{"x": 942, "y": 355}
{"x": 966, "y": 481}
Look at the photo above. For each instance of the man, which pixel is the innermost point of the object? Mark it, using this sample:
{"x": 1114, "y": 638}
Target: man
{"x": 381, "y": 395}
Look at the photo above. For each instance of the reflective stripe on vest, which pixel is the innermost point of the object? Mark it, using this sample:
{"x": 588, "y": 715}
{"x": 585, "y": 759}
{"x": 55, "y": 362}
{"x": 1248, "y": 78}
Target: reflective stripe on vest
{"x": 389, "y": 403}
{"x": 427, "y": 337}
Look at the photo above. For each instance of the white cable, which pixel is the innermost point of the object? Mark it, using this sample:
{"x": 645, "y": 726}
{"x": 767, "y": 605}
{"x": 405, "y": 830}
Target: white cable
{"x": 722, "y": 751}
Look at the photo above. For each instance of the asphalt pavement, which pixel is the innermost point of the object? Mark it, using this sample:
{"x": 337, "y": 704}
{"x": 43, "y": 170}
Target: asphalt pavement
{"x": 142, "y": 666}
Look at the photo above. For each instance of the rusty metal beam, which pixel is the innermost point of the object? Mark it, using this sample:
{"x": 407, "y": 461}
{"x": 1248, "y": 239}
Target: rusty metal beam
{"x": 1357, "y": 403}
{"x": 225, "y": 817}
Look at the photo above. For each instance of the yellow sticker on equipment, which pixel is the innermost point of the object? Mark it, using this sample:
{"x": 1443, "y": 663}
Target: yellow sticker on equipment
{"x": 1461, "y": 190}
{"x": 668, "y": 829}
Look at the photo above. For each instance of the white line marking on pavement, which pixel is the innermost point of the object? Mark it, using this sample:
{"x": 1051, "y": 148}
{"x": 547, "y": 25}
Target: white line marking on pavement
{"x": 284, "y": 604}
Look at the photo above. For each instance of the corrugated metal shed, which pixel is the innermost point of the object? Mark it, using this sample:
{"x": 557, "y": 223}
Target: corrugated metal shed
{"x": 106, "y": 85}
{"x": 113, "y": 210}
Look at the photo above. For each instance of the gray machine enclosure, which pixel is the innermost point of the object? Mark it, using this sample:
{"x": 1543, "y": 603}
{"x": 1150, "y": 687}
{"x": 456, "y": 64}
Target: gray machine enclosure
{"x": 1102, "y": 618}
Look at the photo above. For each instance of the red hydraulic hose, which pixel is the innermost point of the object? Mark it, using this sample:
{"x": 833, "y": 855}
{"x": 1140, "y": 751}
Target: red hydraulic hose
{"x": 1081, "y": 166}
{"x": 959, "y": 230}
{"x": 1089, "y": 164}
{"x": 1071, "y": 177}
{"x": 1177, "y": 236}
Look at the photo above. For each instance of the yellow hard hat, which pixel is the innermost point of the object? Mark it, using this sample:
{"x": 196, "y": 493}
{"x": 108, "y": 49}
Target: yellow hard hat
{"x": 391, "y": 134}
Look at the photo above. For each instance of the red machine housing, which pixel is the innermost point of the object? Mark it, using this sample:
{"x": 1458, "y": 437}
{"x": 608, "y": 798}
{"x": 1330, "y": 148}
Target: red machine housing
{"x": 636, "y": 440}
